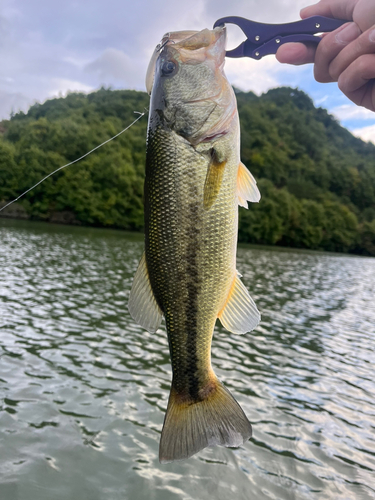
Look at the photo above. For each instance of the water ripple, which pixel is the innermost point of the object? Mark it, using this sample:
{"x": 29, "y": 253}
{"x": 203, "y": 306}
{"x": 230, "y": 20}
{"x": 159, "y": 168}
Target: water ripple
{"x": 84, "y": 389}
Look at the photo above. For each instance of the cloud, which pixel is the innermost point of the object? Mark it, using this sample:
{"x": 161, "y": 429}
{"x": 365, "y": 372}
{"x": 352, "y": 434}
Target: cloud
{"x": 352, "y": 112}
{"x": 113, "y": 66}
{"x": 13, "y": 102}
{"x": 75, "y": 61}
{"x": 266, "y": 11}
{"x": 367, "y": 134}
{"x": 321, "y": 100}
{"x": 248, "y": 74}
{"x": 60, "y": 86}
{"x": 49, "y": 48}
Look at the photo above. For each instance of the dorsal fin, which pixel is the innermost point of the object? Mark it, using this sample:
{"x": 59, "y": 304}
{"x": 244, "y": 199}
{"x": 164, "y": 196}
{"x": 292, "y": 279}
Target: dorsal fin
{"x": 246, "y": 187}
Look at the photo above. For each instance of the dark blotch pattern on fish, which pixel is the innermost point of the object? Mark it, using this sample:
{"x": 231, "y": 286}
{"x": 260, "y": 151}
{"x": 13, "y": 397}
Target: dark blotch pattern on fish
{"x": 193, "y": 236}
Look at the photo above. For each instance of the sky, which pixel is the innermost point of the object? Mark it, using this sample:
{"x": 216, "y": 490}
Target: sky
{"x": 48, "y": 48}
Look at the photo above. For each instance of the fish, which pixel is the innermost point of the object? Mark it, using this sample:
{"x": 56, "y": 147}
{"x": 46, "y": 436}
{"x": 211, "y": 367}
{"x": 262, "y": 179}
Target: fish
{"x": 194, "y": 183}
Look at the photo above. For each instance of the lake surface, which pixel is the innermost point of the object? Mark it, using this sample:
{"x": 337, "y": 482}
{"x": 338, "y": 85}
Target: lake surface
{"x": 84, "y": 389}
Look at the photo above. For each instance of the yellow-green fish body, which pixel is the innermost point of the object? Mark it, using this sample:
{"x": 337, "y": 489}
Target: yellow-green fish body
{"x": 194, "y": 183}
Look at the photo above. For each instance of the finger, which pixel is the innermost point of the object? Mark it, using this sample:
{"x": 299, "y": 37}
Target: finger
{"x": 329, "y": 48}
{"x": 339, "y": 9}
{"x": 361, "y": 12}
{"x": 296, "y": 53}
{"x": 358, "y": 74}
{"x": 358, "y": 81}
{"x": 365, "y": 44}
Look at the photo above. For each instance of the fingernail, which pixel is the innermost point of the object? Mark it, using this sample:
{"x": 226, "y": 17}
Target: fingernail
{"x": 372, "y": 35}
{"x": 348, "y": 34}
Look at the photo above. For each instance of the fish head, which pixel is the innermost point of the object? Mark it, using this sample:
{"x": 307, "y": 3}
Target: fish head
{"x": 190, "y": 93}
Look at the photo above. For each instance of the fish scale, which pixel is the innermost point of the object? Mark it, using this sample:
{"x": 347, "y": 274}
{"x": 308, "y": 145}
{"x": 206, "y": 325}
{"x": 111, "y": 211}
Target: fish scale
{"x": 188, "y": 269}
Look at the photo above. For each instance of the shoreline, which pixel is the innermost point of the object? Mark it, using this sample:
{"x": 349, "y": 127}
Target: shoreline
{"x": 140, "y": 234}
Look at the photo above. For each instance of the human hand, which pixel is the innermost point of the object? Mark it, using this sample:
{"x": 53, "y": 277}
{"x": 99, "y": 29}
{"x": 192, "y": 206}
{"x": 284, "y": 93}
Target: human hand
{"x": 347, "y": 55}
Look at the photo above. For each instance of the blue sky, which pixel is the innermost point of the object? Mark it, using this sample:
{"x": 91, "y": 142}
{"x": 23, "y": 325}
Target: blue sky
{"x": 48, "y": 48}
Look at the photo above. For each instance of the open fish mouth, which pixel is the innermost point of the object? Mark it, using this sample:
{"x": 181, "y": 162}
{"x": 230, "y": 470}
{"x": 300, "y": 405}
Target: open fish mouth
{"x": 193, "y": 46}
{"x": 171, "y": 37}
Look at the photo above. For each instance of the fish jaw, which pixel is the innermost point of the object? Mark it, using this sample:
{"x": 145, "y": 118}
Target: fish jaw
{"x": 203, "y": 45}
{"x": 195, "y": 100}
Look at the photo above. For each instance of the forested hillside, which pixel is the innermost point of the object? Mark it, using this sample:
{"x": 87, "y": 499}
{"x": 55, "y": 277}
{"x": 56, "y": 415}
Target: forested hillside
{"x": 317, "y": 181}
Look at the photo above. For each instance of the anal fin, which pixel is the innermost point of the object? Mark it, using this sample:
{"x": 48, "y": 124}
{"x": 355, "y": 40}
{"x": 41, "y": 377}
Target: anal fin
{"x": 142, "y": 304}
{"x": 239, "y": 314}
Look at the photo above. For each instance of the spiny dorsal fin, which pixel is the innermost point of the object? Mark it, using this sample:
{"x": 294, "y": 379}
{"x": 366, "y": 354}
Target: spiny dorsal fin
{"x": 246, "y": 187}
{"x": 214, "y": 179}
{"x": 239, "y": 314}
{"x": 142, "y": 303}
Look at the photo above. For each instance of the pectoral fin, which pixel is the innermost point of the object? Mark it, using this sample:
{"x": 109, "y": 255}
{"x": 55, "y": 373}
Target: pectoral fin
{"x": 142, "y": 303}
{"x": 246, "y": 187}
{"x": 240, "y": 314}
{"x": 214, "y": 179}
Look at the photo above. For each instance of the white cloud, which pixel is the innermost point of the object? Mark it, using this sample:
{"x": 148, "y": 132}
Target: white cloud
{"x": 263, "y": 75}
{"x": 62, "y": 87}
{"x": 77, "y": 62}
{"x": 266, "y": 11}
{"x": 117, "y": 69}
{"x": 49, "y": 48}
{"x": 248, "y": 74}
{"x": 352, "y": 112}
{"x": 12, "y": 102}
{"x": 367, "y": 134}
{"x": 111, "y": 63}
{"x": 321, "y": 100}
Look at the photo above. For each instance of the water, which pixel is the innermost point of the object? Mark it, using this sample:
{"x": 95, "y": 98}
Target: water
{"x": 84, "y": 389}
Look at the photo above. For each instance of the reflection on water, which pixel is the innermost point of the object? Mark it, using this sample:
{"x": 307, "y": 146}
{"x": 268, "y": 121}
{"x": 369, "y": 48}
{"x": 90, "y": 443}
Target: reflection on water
{"x": 84, "y": 389}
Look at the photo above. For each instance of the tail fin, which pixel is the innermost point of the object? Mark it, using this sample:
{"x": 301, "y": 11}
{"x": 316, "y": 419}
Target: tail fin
{"x": 190, "y": 427}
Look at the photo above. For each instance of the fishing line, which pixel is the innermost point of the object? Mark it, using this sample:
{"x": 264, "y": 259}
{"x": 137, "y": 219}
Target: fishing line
{"x": 78, "y": 159}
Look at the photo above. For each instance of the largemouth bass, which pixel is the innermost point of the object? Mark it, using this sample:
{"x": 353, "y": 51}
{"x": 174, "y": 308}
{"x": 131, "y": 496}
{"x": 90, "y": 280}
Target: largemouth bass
{"x": 194, "y": 184}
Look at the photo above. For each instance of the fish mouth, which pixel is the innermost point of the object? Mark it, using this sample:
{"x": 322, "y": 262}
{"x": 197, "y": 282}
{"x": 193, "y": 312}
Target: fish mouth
{"x": 193, "y": 47}
{"x": 202, "y": 45}
{"x": 199, "y": 39}
{"x": 169, "y": 38}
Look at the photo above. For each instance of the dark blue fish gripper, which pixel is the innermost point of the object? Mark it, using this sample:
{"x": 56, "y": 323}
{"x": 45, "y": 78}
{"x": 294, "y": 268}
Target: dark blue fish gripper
{"x": 264, "y": 39}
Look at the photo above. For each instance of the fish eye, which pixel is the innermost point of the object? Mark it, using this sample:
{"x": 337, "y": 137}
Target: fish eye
{"x": 168, "y": 68}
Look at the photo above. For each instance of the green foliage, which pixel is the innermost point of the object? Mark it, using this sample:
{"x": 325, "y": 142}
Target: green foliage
{"x": 104, "y": 189}
{"x": 282, "y": 219}
{"x": 317, "y": 180}
{"x": 366, "y": 239}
